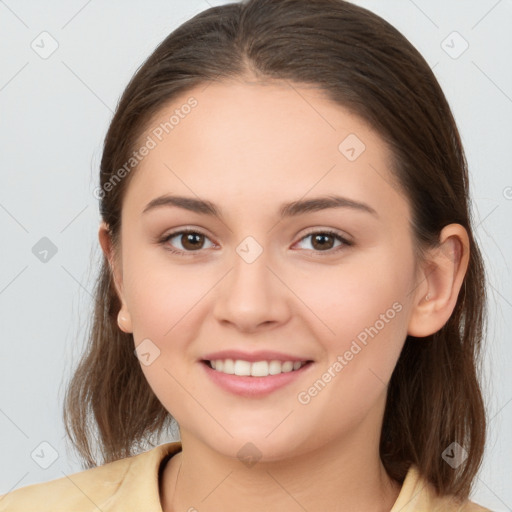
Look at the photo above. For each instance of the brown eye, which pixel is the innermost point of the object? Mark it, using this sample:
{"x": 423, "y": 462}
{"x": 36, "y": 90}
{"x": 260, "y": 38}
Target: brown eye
{"x": 323, "y": 241}
{"x": 193, "y": 241}
{"x": 190, "y": 241}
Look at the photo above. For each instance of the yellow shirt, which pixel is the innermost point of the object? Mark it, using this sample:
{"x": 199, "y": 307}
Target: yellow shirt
{"x": 132, "y": 484}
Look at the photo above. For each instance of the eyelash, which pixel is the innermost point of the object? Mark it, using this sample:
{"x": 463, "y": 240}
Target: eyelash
{"x": 166, "y": 238}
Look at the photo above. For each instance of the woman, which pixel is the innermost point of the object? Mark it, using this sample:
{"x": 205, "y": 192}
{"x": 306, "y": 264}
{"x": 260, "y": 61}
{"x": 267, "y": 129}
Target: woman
{"x": 290, "y": 273}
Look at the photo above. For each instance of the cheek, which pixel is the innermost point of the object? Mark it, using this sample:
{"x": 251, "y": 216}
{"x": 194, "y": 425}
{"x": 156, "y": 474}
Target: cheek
{"x": 365, "y": 307}
{"x": 164, "y": 301}
{"x": 161, "y": 295}
{"x": 347, "y": 300}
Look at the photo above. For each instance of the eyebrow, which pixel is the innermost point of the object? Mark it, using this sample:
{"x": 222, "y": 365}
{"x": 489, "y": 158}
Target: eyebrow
{"x": 291, "y": 209}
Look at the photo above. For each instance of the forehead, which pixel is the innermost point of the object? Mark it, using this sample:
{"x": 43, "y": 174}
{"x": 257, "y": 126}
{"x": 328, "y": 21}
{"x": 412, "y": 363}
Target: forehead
{"x": 260, "y": 142}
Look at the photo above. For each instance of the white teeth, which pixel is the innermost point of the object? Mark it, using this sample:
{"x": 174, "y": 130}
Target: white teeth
{"x": 242, "y": 367}
{"x": 259, "y": 369}
{"x": 287, "y": 366}
{"x": 229, "y": 366}
{"x": 274, "y": 367}
{"x": 255, "y": 369}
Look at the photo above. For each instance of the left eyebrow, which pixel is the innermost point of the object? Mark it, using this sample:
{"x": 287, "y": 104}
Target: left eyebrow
{"x": 290, "y": 209}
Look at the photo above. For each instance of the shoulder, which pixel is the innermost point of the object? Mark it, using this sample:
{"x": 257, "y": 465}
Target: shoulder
{"x": 94, "y": 488}
{"x": 419, "y": 495}
{"x": 71, "y": 491}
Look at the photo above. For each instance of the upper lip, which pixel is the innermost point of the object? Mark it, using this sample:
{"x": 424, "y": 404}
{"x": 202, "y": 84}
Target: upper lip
{"x": 261, "y": 355}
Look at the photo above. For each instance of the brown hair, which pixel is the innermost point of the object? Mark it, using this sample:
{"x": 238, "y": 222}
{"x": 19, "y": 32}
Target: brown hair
{"x": 367, "y": 66}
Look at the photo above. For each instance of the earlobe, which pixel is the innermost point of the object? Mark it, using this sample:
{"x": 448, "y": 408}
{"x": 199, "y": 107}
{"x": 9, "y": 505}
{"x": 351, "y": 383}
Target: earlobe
{"x": 123, "y": 318}
{"x": 440, "y": 282}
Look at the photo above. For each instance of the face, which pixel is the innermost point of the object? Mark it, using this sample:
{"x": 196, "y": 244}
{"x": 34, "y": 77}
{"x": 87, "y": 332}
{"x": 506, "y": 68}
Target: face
{"x": 262, "y": 284}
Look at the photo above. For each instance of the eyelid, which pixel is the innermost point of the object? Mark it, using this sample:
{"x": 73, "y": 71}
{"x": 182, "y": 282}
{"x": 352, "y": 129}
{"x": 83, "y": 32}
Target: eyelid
{"x": 165, "y": 238}
{"x": 346, "y": 242}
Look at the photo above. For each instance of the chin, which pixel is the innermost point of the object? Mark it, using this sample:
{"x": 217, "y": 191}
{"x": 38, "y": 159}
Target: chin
{"x": 255, "y": 445}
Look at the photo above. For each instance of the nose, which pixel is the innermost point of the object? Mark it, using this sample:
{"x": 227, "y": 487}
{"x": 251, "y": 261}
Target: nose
{"x": 253, "y": 295}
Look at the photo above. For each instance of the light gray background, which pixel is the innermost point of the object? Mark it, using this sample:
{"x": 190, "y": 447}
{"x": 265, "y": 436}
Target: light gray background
{"x": 54, "y": 115}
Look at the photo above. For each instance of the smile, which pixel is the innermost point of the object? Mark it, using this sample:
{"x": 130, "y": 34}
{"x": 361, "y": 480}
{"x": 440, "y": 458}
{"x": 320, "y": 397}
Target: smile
{"x": 241, "y": 367}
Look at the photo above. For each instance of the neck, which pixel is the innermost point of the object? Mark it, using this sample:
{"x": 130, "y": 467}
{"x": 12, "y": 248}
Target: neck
{"x": 343, "y": 476}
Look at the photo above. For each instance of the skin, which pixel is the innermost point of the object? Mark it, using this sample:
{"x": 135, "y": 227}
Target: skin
{"x": 248, "y": 147}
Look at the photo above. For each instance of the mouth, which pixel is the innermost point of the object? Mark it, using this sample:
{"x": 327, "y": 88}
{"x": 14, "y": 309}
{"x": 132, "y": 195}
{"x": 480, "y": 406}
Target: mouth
{"x": 254, "y": 375}
{"x": 263, "y": 368}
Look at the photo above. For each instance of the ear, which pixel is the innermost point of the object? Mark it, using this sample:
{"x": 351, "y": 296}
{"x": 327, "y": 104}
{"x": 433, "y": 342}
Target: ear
{"x": 440, "y": 279}
{"x": 123, "y": 318}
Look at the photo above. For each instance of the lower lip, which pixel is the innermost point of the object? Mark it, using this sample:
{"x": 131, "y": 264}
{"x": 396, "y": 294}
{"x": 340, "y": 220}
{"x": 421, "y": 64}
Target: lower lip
{"x": 254, "y": 386}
